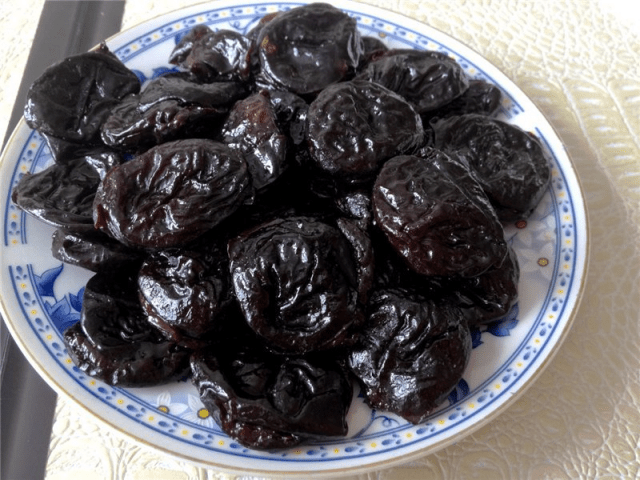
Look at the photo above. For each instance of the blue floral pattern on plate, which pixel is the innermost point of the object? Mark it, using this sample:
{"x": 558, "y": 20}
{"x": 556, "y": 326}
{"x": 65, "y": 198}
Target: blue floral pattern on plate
{"x": 46, "y": 295}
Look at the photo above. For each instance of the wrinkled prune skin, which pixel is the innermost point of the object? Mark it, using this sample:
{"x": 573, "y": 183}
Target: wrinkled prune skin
{"x": 252, "y": 130}
{"x": 482, "y": 98}
{"x": 183, "y": 292}
{"x": 297, "y": 284}
{"x": 114, "y": 342}
{"x": 510, "y": 164}
{"x": 72, "y": 98}
{"x": 489, "y": 296}
{"x": 426, "y": 79}
{"x": 184, "y": 46}
{"x": 372, "y": 48}
{"x": 436, "y": 216}
{"x": 61, "y": 195}
{"x": 308, "y": 48}
{"x": 291, "y": 114}
{"x": 92, "y": 250}
{"x": 220, "y": 55}
{"x": 186, "y": 91}
{"x": 268, "y": 401}
{"x": 165, "y": 114}
{"x": 363, "y": 254}
{"x": 355, "y": 126}
{"x": 411, "y": 353}
{"x": 172, "y": 193}
{"x": 137, "y": 364}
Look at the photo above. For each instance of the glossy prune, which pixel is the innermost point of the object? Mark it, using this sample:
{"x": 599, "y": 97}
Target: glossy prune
{"x": 220, "y": 55}
{"x": 482, "y": 98}
{"x": 136, "y": 364}
{"x": 297, "y": 284}
{"x": 488, "y": 296}
{"x": 426, "y": 79}
{"x": 268, "y": 401}
{"x": 308, "y": 48}
{"x": 355, "y": 126}
{"x": 61, "y": 195}
{"x": 185, "y": 44}
{"x": 172, "y": 193}
{"x": 435, "y": 214}
{"x": 114, "y": 342}
{"x": 509, "y": 163}
{"x": 92, "y": 250}
{"x": 411, "y": 353}
{"x": 252, "y": 130}
{"x": 184, "y": 291}
{"x": 167, "y": 113}
{"x": 72, "y": 98}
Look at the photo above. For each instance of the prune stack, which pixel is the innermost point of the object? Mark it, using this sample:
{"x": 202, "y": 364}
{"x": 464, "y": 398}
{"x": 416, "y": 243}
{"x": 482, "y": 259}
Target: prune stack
{"x": 295, "y": 210}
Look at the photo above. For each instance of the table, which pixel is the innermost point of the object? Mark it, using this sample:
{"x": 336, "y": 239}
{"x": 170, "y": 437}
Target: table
{"x": 578, "y": 61}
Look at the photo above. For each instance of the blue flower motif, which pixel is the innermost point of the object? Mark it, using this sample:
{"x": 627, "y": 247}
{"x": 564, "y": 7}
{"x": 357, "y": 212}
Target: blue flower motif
{"x": 44, "y": 282}
{"x": 61, "y": 314}
{"x": 458, "y": 393}
{"x": 503, "y": 327}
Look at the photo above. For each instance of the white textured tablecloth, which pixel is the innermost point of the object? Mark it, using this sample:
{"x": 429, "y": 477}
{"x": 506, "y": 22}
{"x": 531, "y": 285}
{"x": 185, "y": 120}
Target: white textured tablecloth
{"x": 579, "y": 61}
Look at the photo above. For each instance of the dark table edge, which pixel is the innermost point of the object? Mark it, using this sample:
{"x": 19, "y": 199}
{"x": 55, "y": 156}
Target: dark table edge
{"x": 27, "y": 403}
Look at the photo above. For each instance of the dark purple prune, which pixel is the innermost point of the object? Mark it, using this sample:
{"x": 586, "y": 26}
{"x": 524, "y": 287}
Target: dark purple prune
{"x": 252, "y": 130}
{"x": 373, "y": 47}
{"x": 136, "y": 364}
{"x": 297, "y": 284}
{"x": 437, "y": 217}
{"x": 166, "y": 113}
{"x": 72, "y": 98}
{"x": 268, "y": 401}
{"x": 355, "y": 126}
{"x": 111, "y": 312}
{"x": 291, "y": 114}
{"x": 183, "y": 292}
{"x": 357, "y": 206}
{"x": 92, "y": 250}
{"x": 426, "y": 79}
{"x": 308, "y": 48}
{"x": 489, "y": 296}
{"x": 509, "y": 163}
{"x": 481, "y": 97}
{"x": 114, "y": 342}
{"x": 220, "y": 55}
{"x": 61, "y": 195}
{"x": 185, "y": 44}
{"x": 184, "y": 90}
{"x": 363, "y": 254}
{"x": 411, "y": 353}
{"x": 172, "y": 193}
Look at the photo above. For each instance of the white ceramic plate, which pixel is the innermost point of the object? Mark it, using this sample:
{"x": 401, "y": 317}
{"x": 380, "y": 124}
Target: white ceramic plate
{"x": 41, "y": 297}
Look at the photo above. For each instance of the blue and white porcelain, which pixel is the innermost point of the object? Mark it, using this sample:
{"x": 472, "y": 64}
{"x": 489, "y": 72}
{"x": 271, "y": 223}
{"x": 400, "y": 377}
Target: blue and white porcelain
{"x": 40, "y": 296}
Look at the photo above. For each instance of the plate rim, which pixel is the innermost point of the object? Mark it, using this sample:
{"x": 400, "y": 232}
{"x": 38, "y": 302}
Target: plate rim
{"x": 576, "y": 298}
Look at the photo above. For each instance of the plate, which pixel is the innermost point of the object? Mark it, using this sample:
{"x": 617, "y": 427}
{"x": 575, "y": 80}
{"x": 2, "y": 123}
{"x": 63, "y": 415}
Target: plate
{"x": 41, "y": 297}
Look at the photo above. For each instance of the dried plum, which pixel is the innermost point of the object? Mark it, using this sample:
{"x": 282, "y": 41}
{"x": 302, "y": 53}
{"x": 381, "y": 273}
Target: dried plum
{"x": 436, "y": 216}
{"x": 72, "y": 98}
{"x": 252, "y": 130}
{"x": 296, "y": 282}
{"x": 411, "y": 353}
{"x": 355, "y": 126}
{"x": 114, "y": 342}
{"x": 426, "y": 79}
{"x": 92, "y": 250}
{"x": 183, "y": 292}
{"x": 61, "y": 195}
{"x": 268, "y": 401}
{"x": 308, "y": 48}
{"x": 223, "y": 54}
{"x": 509, "y": 163}
{"x": 489, "y": 296}
{"x": 482, "y": 98}
{"x": 172, "y": 193}
{"x": 185, "y": 44}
